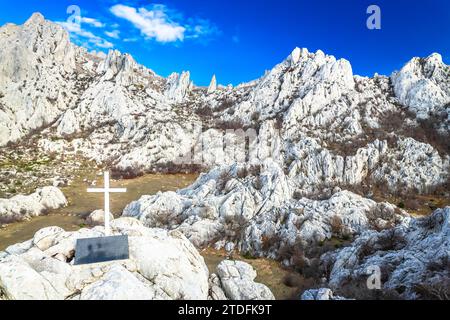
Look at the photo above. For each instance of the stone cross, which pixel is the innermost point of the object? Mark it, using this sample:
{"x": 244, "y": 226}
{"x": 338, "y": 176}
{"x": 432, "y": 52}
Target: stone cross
{"x": 107, "y": 190}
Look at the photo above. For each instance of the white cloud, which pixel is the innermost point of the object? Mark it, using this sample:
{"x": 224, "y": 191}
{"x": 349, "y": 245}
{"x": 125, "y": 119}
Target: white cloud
{"x": 76, "y": 30}
{"x": 115, "y": 34}
{"x": 166, "y": 25}
{"x": 93, "y": 22}
{"x": 201, "y": 29}
{"x": 153, "y": 24}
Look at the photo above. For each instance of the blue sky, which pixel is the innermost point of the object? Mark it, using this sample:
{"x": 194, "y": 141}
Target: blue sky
{"x": 239, "y": 40}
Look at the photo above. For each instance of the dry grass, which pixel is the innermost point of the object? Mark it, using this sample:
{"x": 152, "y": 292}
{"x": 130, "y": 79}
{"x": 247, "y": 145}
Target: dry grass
{"x": 415, "y": 204}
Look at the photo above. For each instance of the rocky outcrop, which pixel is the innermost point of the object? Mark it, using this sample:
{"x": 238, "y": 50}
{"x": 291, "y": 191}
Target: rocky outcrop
{"x": 423, "y": 85}
{"x": 42, "y": 268}
{"x": 162, "y": 266}
{"x": 37, "y": 65}
{"x": 213, "y": 85}
{"x": 178, "y": 86}
{"x": 97, "y": 218}
{"x": 22, "y": 207}
{"x": 234, "y": 280}
{"x": 412, "y": 259}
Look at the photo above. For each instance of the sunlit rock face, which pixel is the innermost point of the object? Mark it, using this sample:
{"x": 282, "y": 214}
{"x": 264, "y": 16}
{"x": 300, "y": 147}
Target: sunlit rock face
{"x": 247, "y": 210}
{"x": 37, "y": 76}
{"x": 423, "y": 86}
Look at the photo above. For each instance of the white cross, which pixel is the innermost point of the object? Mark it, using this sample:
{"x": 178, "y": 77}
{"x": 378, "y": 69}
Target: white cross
{"x": 106, "y": 190}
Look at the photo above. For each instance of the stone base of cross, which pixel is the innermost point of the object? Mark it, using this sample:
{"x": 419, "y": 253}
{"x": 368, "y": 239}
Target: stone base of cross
{"x": 107, "y": 190}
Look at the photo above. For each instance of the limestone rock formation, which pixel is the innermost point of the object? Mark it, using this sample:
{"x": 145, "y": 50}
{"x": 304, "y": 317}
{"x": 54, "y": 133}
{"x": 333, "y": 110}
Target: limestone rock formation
{"x": 213, "y": 85}
{"x": 22, "y": 207}
{"x": 299, "y": 139}
{"x": 236, "y": 280}
{"x": 228, "y": 205}
{"x": 178, "y": 86}
{"x": 37, "y": 76}
{"x": 423, "y": 86}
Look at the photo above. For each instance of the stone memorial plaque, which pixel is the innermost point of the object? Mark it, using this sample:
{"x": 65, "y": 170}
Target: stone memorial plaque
{"x": 95, "y": 250}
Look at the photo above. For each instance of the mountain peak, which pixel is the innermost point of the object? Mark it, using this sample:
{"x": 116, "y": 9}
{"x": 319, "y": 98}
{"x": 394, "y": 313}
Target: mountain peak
{"x": 36, "y": 18}
{"x": 435, "y": 58}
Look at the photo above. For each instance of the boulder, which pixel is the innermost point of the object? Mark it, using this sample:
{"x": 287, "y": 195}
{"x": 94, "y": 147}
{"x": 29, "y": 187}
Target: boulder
{"x": 237, "y": 279}
{"x": 97, "y": 218}
{"x": 18, "y": 281}
{"x": 22, "y": 207}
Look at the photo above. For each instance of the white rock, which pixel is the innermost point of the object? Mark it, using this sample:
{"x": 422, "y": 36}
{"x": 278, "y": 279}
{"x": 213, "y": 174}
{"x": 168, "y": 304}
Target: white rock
{"x": 21, "y": 207}
{"x": 18, "y": 281}
{"x": 213, "y": 85}
{"x": 295, "y": 55}
{"x": 422, "y": 85}
{"x": 162, "y": 265}
{"x": 237, "y": 279}
{"x": 97, "y": 218}
{"x": 44, "y": 238}
{"x": 215, "y": 288}
{"x": 117, "y": 284}
{"x": 165, "y": 259}
{"x": 320, "y": 294}
{"x": 178, "y": 86}
{"x": 38, "y": 55}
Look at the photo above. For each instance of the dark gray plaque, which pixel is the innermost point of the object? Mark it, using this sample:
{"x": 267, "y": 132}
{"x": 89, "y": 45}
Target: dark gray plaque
{"x": 95, "y": 250}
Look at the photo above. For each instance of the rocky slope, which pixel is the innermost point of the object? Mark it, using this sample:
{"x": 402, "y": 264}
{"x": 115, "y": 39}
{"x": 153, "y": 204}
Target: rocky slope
{"x": 162, "y": 266}
{"x": 227, "y": 206}
{"x": 311, "y": 114}
{"x": 414, "y": 259}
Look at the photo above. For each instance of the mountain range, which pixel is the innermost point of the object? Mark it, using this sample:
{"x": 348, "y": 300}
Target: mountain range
{"x": 325, "y": 151}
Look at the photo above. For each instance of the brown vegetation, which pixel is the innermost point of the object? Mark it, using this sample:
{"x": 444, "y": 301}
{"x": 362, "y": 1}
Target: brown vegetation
{"x": 337, "y": 225}
{"x": 434, "y": 291}
{"x": 204, "y": 112}
{"x": 357, "y": 289}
